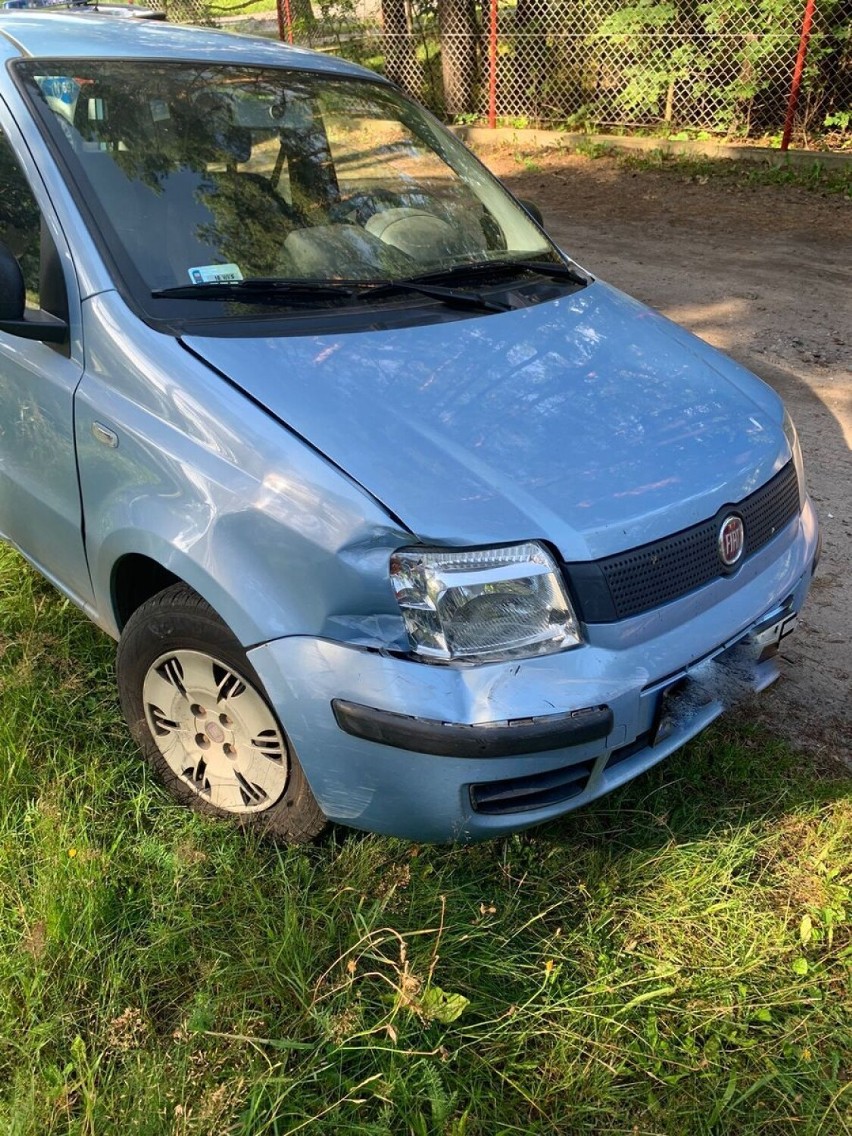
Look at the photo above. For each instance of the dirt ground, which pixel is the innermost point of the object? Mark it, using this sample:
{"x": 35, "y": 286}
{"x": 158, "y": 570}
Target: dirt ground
{"x": 765, "y": 273}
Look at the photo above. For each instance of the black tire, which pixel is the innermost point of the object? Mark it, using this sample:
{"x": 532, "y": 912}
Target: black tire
{"x": 194, "y": 705}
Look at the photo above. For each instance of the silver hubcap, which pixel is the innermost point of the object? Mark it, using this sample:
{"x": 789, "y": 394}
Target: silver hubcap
{"x": 215, "y": 732}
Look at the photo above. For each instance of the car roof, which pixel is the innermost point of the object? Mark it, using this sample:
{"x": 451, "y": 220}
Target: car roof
{"x": 88, "y": 35}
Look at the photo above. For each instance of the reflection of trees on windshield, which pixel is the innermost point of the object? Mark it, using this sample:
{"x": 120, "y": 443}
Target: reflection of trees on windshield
{"x": 186, "y": 166}
{"x": 149, "y": 126}
{"x": 249, "y": 223}
{"x": 157, "y": 120}
{"x": 19, "y": 216}
{"x": 159, "y": 125}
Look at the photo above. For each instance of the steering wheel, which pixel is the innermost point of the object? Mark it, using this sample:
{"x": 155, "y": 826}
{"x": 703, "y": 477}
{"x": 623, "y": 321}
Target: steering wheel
{"x": 361, "y": 206}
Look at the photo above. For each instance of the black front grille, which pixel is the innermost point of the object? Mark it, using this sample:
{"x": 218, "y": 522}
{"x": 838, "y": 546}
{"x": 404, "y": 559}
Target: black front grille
{"x": 654, "y": 574}
{"x": 770, "y": 508}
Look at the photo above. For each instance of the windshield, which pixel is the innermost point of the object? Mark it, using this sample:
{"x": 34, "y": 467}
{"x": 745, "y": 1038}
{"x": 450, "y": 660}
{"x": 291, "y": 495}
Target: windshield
{"x": 200, "y": 175}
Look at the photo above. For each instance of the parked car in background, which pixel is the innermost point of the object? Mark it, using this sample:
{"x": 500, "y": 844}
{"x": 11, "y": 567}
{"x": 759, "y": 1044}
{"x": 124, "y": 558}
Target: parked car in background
{"x": 137, "y": 11}
{"x": 400, "y": 518}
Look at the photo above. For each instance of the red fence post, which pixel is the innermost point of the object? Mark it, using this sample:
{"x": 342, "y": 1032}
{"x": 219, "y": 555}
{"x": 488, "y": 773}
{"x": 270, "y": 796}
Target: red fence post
{"x": 285, "y": 20}
{"x": 807, "y": 20}
{"x": 492, "y": 74}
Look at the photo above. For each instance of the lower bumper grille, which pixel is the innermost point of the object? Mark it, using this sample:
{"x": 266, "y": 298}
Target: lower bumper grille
{"x": 537, "y": 791}
{"x": 630, "y": 750}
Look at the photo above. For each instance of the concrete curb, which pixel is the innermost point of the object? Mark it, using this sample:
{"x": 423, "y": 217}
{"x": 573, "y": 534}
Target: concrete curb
{"x": 558, "y": 139}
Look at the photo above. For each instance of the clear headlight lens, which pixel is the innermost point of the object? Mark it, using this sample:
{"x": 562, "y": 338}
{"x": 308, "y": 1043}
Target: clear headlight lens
{"x": 793, "y": 440}
{"x": 477, "y": 605}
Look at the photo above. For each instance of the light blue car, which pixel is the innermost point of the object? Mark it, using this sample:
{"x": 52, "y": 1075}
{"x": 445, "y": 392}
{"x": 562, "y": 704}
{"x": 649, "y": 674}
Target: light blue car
{"x": 401, "y": 519}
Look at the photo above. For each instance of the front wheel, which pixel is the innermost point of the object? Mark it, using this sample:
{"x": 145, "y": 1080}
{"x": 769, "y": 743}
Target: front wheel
{"x": 197, "y": 711}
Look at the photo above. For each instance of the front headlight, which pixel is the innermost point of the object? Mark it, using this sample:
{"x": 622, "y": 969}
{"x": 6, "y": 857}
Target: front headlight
{"x": 478, "y": 605}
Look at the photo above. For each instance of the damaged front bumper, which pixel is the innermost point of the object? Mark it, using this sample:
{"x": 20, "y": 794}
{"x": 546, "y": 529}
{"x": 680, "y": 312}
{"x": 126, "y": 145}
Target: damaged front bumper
{"x": 444, "y": 753}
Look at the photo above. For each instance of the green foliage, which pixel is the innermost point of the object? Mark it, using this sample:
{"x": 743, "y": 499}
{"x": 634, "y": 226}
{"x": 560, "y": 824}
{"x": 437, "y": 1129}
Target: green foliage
{"x": 712, "y": 63}
{"x": 841, "y": 119}
{"x": 436, "y": 1005}
{"x": 673, "y": 959}
{"x": 595, "y": 149}
{"x": 581, "y": 119}
{"x": 815, "y": 176}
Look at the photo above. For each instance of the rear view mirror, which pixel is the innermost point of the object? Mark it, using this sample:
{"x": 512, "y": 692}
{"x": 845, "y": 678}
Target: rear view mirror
{"x": 533, "y": 211}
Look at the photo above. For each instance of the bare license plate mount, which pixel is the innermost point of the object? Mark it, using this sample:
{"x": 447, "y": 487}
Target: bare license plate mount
{"x": 768, "y": 634}
{"x": 677, "y": 703}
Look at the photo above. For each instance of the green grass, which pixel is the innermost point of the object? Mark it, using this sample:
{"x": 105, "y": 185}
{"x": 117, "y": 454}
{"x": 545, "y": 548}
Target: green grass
{"x": 220, "y": 8}
{"x": 816, "y": 176}
{"x": 673, "y": 960}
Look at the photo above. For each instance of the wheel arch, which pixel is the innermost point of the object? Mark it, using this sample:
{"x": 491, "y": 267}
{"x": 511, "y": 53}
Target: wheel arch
{"x": 131, "y": 572}
{"x": 263, "y": 580}
{"x": 135, "y": 579}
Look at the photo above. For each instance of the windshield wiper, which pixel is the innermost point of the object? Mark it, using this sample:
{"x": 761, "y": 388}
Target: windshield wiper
{"x": 273, "y": 289}
{"x": 464, "y": 297}
{"x": 258, "y": 290}
{"x": 452, "y": 296}
{"x": 556, "y": 270}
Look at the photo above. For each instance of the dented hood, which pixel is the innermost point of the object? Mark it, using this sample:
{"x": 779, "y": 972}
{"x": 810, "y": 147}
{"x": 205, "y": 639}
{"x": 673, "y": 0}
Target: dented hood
{"x": 588, "y": 421}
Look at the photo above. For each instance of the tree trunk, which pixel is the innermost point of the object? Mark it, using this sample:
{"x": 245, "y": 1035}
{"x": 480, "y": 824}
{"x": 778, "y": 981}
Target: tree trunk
{"x": 459, "y": 62}
{"x": 302, "y": 14}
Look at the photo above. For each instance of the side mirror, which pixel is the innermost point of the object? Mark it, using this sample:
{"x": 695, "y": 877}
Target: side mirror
{"x": 533, "y": 211}
{"x": 14, "y": 319}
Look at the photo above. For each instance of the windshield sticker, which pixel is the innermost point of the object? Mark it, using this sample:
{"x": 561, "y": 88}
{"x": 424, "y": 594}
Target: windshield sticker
{"x": 215, "y": 274}
{"x": 159, "y": 110}
{"x": 61, "y": 94}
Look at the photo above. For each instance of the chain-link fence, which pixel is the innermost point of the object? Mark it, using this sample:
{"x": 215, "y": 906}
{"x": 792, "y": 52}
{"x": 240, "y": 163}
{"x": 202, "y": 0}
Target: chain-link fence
{"x": 720, "y": 66}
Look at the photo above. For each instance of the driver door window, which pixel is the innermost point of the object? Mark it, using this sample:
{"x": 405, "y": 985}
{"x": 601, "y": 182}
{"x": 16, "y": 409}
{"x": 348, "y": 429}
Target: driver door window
{"x": 20, "y": 220}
